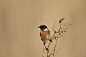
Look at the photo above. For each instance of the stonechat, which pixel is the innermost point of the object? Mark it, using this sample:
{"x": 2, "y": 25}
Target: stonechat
{"x": 44, "y": 34}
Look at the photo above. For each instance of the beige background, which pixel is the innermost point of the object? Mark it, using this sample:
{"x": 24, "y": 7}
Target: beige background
{"x": 19, "y": 19}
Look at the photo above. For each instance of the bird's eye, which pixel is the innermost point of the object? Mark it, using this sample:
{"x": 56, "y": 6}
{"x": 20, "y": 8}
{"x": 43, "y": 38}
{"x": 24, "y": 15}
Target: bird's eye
{"x": 43, "y": 28}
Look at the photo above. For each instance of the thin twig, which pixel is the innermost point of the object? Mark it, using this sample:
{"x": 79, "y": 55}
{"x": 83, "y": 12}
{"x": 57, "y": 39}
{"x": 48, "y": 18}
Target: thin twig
{"x": 56, "y": 35}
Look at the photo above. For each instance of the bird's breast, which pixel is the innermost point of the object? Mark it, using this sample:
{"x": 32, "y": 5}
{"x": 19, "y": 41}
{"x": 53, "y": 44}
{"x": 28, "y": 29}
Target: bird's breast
{"x": 45, "y": 35}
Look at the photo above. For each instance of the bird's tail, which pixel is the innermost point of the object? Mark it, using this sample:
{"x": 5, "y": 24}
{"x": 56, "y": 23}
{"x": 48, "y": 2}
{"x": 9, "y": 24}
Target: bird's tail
{"x": 45, "y": 46}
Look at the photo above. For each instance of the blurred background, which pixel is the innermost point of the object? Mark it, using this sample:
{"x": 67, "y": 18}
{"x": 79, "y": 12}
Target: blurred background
{"x": 19, "y": 19}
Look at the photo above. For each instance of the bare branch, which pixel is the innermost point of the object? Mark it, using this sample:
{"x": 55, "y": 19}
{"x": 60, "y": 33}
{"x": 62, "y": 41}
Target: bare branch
{"x": 56, "y": 35}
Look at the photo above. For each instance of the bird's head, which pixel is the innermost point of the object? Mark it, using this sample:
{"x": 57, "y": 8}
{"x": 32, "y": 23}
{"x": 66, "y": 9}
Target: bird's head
{"x": 42, "y": 27}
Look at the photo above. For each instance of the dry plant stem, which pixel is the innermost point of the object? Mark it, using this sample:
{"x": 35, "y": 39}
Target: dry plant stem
{"x": 53, "y": 51}
{"x": 57, "y": 52}
{"x": 56, "y": 35}
{"x": 47, "y": 53}
{"x": 43, "y": 51}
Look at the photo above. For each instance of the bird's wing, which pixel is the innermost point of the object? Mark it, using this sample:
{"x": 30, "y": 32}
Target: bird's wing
{"x": 40, "y": 34}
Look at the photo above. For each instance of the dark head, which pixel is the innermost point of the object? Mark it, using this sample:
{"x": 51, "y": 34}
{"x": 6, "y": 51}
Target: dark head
{"x": 42, "y": 27}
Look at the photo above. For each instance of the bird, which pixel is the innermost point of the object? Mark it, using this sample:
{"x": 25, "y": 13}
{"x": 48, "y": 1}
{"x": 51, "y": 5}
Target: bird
{"x": 44, "y": 34}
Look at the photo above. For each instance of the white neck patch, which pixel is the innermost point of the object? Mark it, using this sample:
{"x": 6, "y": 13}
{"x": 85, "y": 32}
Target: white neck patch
{"x": 46, "y": 29}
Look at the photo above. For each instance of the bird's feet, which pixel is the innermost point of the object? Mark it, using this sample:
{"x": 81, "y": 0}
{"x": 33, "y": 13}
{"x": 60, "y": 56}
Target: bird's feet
{"x": 50, "y": 40}
{"x": 46, "y": 48}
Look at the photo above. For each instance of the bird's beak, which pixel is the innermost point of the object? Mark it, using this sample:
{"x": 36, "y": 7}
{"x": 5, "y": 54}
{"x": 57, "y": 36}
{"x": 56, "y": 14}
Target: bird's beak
{"x": 38, "y": 26}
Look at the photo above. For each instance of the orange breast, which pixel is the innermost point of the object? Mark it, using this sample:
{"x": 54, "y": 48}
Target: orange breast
{"x": 45, "y": 35}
